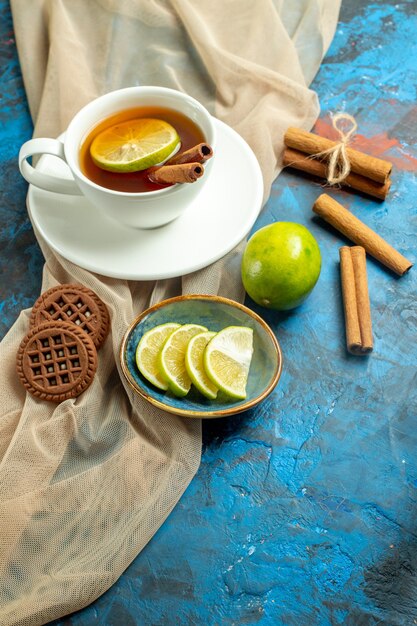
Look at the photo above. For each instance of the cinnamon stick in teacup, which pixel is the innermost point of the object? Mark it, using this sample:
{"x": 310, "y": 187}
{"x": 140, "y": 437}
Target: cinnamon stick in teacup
{"x": 171, "y": 174}
{"x": 356, "y": 304}
{"x": 345, "y": 222}
{"x": 197, "y": 154}
{"x": 302, "y": 162}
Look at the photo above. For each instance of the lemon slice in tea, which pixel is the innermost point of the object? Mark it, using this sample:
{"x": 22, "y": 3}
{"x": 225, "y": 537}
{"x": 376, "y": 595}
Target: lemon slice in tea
{"x": 227, "y": 359}
{"x": 134, "y": 145}
{"x": 172, "y": 358}
{"x": 195, "y": 366}
{"x": 147, "y": 353}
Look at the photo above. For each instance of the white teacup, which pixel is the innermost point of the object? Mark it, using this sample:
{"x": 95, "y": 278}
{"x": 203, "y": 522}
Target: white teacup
{"x": 140, "y": 210}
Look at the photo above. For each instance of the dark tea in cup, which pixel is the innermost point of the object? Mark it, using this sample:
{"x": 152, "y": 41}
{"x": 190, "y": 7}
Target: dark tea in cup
{"x": 135, "y": 182}
{"x": 120, "y": 196}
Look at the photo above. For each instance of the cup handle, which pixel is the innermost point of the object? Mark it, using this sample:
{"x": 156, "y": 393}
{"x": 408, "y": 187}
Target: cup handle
{"x": 39, "y": 179}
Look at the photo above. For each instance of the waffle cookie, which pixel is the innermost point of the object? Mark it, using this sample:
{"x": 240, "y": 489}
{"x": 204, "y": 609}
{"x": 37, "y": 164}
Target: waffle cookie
{"x": 56, "y": 361}
{"x": 74, "y": 304}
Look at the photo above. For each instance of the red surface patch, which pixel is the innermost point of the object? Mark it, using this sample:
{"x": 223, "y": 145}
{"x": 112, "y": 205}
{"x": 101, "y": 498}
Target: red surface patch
{"x": 380, "y": 145}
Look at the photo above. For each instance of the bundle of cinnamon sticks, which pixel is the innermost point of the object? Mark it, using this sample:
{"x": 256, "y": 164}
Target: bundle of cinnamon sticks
{"x": 303, "y": 151}
{"x": 184, "y": 167}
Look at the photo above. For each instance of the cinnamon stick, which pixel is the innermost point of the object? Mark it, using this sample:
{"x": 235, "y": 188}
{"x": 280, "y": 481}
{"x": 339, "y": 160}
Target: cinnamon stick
{"x": 353, "y": 228}
{"x": 360, "y": 163}
{"x": 347, "y": 275}
{"x": 197, "y": 154}
{"x": 302, "y": 162}
{"x": 362, "y": 297}
{"x": 171, "y": 174}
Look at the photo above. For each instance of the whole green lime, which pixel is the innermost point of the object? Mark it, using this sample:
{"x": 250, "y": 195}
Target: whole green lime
{"x": 281, "y": 264}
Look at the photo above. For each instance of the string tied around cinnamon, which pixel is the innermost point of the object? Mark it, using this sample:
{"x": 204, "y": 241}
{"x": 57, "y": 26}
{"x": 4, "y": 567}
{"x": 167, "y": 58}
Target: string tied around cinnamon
{"x": 338, "y": 167}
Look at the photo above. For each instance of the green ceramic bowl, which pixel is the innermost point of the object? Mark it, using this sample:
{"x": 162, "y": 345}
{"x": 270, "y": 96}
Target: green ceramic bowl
{"x": 215, "y": 313}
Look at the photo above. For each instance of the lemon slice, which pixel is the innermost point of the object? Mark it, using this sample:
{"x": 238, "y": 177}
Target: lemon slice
{"x": 227, "y": 359}
{"x": 172, "y": 358}
{"x": 134, "y": 145}
{"x": 148, "y": 350}
{"x": 195, "y": 366}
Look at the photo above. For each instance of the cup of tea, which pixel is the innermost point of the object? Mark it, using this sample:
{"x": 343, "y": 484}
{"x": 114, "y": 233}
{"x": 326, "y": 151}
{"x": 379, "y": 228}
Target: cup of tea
{"x": 131, "y": 198}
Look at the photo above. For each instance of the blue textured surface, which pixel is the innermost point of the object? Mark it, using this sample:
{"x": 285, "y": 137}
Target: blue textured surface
{"x": 18, "y": 248}
{"x": 214, "y": 315}
{"x": 304, "y": 509}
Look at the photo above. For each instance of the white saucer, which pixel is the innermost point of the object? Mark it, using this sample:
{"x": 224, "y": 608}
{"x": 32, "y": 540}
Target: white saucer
{"x": 221, "y": 217}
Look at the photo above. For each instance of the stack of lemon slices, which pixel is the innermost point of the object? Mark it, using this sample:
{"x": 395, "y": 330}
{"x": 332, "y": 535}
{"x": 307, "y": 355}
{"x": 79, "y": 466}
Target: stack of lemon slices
{"x": 176, "y": 356}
